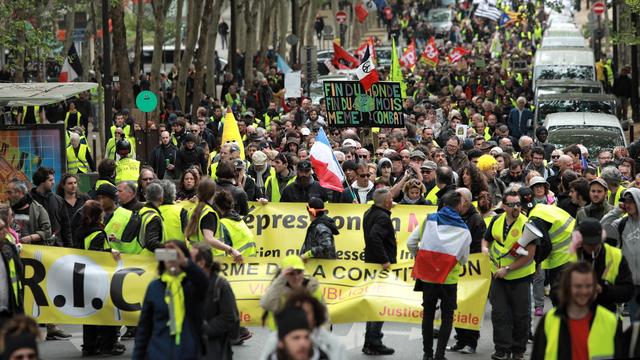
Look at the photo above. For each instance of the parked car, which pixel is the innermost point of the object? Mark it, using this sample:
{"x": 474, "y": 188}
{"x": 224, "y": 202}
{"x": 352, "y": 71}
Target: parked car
{"x": 546, "y": 87}
{"x": 595, "y": 131}
{"x": 441, "y": 19}
{"x": 566, "y": 103}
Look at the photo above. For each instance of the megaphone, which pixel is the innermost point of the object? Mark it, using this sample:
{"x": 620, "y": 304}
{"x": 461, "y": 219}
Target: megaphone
{"x": 530, "y": 233}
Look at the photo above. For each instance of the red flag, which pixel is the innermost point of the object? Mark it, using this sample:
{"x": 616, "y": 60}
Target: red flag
{"x": 361, "y": 12}
{"x": 342, "y": 58}
{"x": 431, "y": 53}
{"x": 456, "y": 54}
{"x": 409, "y": 57}
{"x": 359, "y": 52}
{"x": 366, "y": 72}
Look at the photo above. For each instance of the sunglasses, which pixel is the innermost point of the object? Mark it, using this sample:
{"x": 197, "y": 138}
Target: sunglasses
{"x": 363, "y": 175}
{"x": 513, "y": 204}
{"x": 379, "y": 154}
{"x": 555, "y": 156}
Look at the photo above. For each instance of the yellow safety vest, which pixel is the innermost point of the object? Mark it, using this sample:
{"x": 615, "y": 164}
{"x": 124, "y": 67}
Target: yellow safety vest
{"x": 147, "y": 214}
{"x": 89, "y": 239}
{"x": 559, "y": 233}
{"x": 66, "y": 119}
{"x": 16, "y": 283}
{"x": 199, "y": 236}
{"x": 601, "y": 340}
{"x": 612, "y": 260}
{"x": 276, "y": 193}
{"x": 126, "y": 130}
{"x": 77, "y": 163}
{"x": 127, "y": 169}
{"x": 431, "y": 196}
{"x": 172, "y": 222}
{"x": 271, "y": 321}
{"x": 500, "y": 248}
{"x": 103, "y": 182}
{"x": 616, "y": 199}
{"x": 36, "y": 114}
{"x": 241, "y": 238}
{"x": 116, "y": 226}
{"x": 212, "y": 170}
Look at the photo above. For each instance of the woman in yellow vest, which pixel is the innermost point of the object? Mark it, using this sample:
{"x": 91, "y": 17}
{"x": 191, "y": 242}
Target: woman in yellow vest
{"x": 578, "y": 328}
{"x": 97, "y": 338}
{"x": 204, "y": 222}
{"x": 234, "y": 230}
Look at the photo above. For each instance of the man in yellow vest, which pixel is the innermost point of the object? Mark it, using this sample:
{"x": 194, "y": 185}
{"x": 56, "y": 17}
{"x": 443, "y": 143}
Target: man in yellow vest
{"x": 174, "y": 217}
{"x": 74, "y": 118}
{"x": 79, "y": 160}
{"x": 30, "y": 115}
{"x": 615, "y": 283}
{"x": 127, "y": 168}
{"x": 556, "y": 226}
{"x": 281, "y": 177}
{"x": 578, "y": 328}
{"x": 512, "y": 275}
{"x": 613, "y": 177}
{"x": 152, "y": 225}
{"x": 11, "y": 275}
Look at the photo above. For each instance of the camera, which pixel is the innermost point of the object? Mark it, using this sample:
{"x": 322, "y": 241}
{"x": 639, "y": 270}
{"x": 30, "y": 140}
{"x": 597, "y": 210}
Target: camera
{"x": 166, "y": 254}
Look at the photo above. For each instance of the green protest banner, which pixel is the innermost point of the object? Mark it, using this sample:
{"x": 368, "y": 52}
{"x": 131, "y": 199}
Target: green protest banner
{"x": 349, "y": 105}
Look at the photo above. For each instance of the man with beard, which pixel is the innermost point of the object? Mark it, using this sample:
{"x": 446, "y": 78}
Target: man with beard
{"x": 304, "y": 187}
{"x": 361, "y": 188}
{"x": 216, "y": 120}
{"x": 428, "y": 172}
{"x": 282, "y": 176}
{"x": 43, "y": 193}
{"x": 537, "y": 163}
{"x": 319, "y": 241}
{"x": 599, "y": 206}
{"x": 541, "y": 141}
{"x": 31, "y": 220}
{"x": 163, "y": 157}
{"x": 190, "y": 155}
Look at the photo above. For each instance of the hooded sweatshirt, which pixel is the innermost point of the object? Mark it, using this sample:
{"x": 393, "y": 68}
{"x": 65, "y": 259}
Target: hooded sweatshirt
{"x": 630, "y": 236}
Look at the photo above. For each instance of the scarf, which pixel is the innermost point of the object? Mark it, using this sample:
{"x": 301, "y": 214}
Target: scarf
{"x": 174, "y": 297}
{"x": 406, "y": 200}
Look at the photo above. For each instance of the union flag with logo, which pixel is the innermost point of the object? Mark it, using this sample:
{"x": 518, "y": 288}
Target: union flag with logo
{"x": 456, "y": 54}
{"x": 409, "y": 58}
{"x": 430, "y": 56}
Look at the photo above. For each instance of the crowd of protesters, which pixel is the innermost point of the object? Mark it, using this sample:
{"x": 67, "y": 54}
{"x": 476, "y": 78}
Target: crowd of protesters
{"x": 498, "y": 176}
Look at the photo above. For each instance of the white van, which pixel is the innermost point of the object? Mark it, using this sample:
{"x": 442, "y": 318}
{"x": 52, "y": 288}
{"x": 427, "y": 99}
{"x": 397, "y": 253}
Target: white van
{"x": 563, "y": 63}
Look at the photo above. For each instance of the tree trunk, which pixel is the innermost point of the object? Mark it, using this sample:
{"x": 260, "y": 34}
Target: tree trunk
{"x": 20, "y": 55}
{"x": 201, "y": 54}
{"x": 177, "y": 44}
{"x": 265, "y": 29}
{"x": 69, "y": 25}
{"x": 211, "y": 49}
{"x": 121, "y": 55}
{"x": 241, "y": 29}
{"x": 88, "y": 46}
{"x": 160, "y": 9}
{"x": 137, "y": 48}
{"x": 193, "y": 24}
{"x": 283, "y": 26}
{"x": 311, "y": 19}
{"x": 302, "y": 16}
{"x": 251, "y": 13}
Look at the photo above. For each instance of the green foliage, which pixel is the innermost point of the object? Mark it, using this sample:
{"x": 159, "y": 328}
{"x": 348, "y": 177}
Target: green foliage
{"x": 627, "y": 34}
{"x": 634, "y": 5}
{"x": 147, "y": 27}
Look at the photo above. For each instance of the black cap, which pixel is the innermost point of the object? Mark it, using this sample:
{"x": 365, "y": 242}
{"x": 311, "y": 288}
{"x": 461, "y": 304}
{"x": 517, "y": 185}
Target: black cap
{"x": 316, "y": 203}
{"x": 526, "y": 196}
{"x": 189, "y": 137}
{"x": 304, "y": 165}
{"x": 591, "y": 231}
{"x": 107, "y": 190}
{"x": 290, "y": 319}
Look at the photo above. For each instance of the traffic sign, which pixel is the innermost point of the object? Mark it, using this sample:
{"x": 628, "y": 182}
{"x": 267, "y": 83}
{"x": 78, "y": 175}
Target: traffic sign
{"x": 598, "y": 8}
{"x": 341, "y": 17}
{"x": 146, "y": 101}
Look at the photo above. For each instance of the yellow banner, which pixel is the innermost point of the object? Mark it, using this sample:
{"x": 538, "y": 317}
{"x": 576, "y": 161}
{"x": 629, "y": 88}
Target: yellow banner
{"x": 68, "y": 286}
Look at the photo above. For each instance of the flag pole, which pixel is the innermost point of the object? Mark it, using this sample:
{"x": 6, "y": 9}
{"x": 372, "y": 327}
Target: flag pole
{"x": 340, "y": 167}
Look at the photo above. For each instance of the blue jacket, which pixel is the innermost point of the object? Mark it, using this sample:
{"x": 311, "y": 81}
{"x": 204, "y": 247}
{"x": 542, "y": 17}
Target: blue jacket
{"x": 153, "y": 339}
{"x": 518, "y": 127}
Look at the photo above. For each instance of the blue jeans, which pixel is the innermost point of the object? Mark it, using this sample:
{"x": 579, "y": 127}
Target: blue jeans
{"x": 373, "y": 335}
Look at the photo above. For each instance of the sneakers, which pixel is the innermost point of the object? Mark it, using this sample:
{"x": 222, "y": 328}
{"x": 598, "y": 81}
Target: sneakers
{"x": 500, "y": 355}
{"x": 467, "y": 350}
{"x": 130, "y": 334}
{"x": 55, "y": 333}
{"x": 538, "y": 311}
{"x": 455, "y": 347}
{"x": 116, "y": 350}
{"x": 377, "y": 350}
{"x": 245, "y": 334}
{"x": 518, "y": 356}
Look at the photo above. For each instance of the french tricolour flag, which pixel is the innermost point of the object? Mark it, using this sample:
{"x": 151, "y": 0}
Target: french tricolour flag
{"x": 445, "y": 242}
{"x": 325, "y": 164}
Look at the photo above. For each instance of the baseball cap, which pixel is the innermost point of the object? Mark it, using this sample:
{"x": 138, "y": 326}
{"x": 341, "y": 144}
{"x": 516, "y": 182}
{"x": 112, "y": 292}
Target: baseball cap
{"x": 304, "y": 165}
{"x": 591, "y": 231}
{"x": 384, "y": 162}
{"x": 429, "y": 165}
{"x": 292, "y": 261}
{"x": 349, "y": 143}
{"x": 107, "y": 190}
{"x": 600, "y": 182}
{"x": 259, "y": 158}
{"x": 305, "y": 132}
{"x": 536, "y": 180}
{"x": 417, "y": 154}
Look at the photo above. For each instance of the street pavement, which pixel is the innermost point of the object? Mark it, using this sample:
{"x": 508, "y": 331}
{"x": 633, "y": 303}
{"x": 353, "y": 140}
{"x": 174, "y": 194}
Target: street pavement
{"x": 406, "y": 339}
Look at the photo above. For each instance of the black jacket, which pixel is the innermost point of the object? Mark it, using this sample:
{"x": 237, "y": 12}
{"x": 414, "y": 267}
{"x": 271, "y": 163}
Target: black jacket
{"x": 621, "y": 291}
{"x": 185, "y": 158}
{"x": 319, "y": 238}
{"x": 440, "y": 194}
{"x": 379, "y": 236}
{"x": 60, "y": 223}
{"x": 97, "y": 243}
{"x": 239, "y": 196}
{"x": 153, "y": 234}
{"x": 158, "y": 157}
{"x": 477, "y": 228}
{"x": 295, "y": 192}
{"x": 564, "y": 352}
{"x": 8, "y": 251}
{"x": 221, "y": 318}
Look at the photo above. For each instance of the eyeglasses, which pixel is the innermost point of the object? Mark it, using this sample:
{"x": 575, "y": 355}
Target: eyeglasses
{"x": 513, "y": 204}
{"x": 363, "y": 175}
{"x": 555, "y": 156}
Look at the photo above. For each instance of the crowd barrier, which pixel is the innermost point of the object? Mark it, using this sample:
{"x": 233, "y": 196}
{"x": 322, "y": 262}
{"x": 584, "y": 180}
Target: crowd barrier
{"x": 70, "y": 286}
